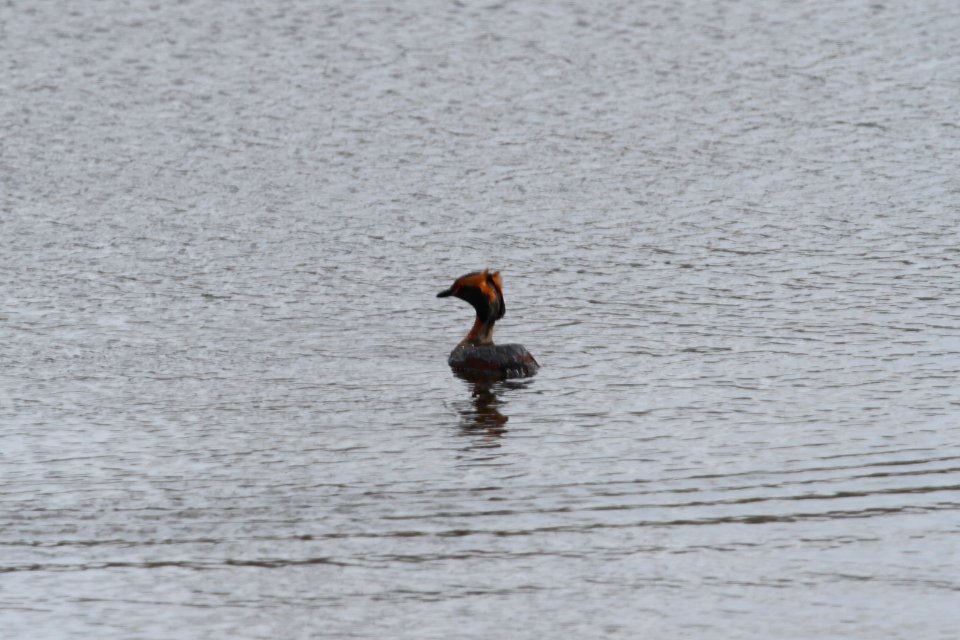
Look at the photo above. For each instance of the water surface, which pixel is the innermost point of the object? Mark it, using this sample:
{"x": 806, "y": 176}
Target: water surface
{"x": 728, "y": 232}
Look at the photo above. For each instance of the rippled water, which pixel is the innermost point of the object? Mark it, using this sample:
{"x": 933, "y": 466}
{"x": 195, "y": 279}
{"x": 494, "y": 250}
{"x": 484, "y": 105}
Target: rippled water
{"x": 728, "y": 231}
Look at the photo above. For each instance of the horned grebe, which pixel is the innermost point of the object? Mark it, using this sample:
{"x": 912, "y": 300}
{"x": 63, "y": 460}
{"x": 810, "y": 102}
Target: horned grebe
{"x": 476, "y": 354}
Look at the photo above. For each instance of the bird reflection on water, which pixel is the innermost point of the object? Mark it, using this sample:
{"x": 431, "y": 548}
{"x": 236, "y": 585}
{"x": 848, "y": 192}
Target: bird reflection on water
{"x": 483, "y": 416}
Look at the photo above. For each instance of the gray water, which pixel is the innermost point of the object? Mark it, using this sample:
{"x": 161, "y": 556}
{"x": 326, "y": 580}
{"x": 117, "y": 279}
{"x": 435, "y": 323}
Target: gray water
{"x": 727, "y": 230}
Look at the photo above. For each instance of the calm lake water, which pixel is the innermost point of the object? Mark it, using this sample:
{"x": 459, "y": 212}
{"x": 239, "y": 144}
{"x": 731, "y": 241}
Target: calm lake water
{"x": 729, "y": 231}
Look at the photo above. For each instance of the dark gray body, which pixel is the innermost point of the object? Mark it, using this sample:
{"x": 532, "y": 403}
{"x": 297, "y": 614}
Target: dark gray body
{"x": 494, "y": 360}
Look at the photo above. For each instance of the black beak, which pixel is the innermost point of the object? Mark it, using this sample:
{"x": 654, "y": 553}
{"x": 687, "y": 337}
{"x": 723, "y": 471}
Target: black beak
{"x": 445, "y": 294}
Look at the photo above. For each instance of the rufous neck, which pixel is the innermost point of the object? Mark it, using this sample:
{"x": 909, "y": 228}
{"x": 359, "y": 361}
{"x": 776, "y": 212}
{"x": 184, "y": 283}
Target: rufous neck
{"x": 480, "y": 333}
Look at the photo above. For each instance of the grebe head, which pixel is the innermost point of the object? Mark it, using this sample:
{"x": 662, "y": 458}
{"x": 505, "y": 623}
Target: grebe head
{"x": 483, "y": 290}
